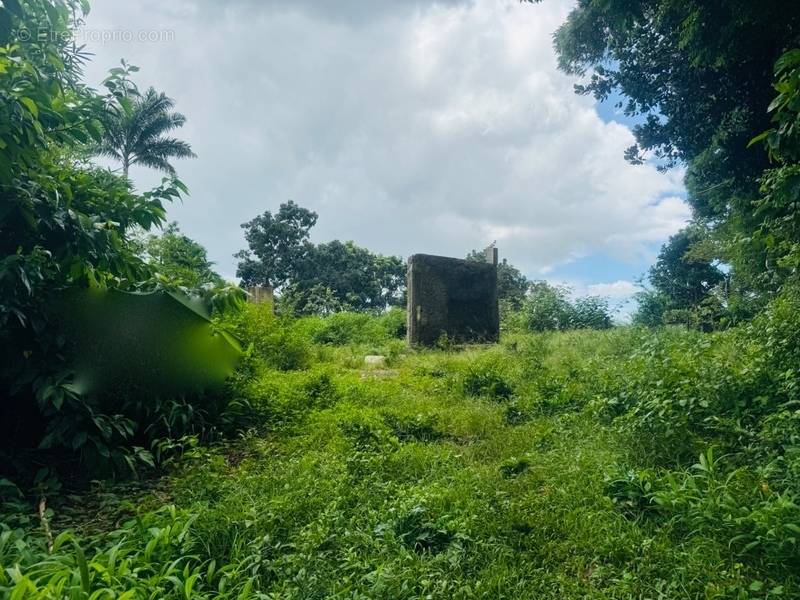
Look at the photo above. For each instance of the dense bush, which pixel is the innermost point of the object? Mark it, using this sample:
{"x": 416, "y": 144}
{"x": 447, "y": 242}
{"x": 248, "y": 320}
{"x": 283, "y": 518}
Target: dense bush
{"x": 67, "y": 226}
{"x": 679, "y": 389}
{"x": 666, "y": 459}
{"x": 274, "y": 341}
{"x": 348, "y": 328}
{"x": 548, "y": 308}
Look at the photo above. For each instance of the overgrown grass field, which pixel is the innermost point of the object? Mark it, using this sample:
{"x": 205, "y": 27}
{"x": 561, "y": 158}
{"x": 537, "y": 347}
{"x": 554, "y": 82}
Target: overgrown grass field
{"x": 596, "y": 464}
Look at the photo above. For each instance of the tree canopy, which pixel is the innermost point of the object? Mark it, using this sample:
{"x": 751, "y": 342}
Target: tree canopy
{"x": 178, "y": 258}
{"x": 548, "y": 307}
{"x": 319, "y": 278}
{"x": 277, "y": 245}
{"x": 698, "y": 74}
{"x": 66, "y": 227}
{"x": 135, "y": 128}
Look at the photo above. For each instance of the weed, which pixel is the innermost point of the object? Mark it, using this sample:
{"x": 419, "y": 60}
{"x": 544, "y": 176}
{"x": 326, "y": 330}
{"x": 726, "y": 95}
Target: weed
{"x": 421, "y": 428}
{"x": 417, "y": 530}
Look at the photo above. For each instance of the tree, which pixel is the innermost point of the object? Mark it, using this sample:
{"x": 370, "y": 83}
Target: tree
{"x": 277, "y": 246}
{"x": 686, "y": 284}
{"x": 179, "y": 258}
{"x": 682, "y": 277}
{"x": 699, "y": 72}
{"x": 65, "y": 226}
{"x": 590, "y": 312}
{"x": 135, "y": 132}
{"x": 512, "y": 285}
{"x": 360, "y": 279}
{"x": 546, "y": 308}
{"x": 312, "y": 278}
{"x": 779, "y": 206}
{"x": 651, "y": 308}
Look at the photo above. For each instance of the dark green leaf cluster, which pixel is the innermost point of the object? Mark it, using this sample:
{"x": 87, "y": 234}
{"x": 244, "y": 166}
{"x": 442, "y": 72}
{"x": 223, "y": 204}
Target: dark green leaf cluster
{"x": 67, "y": 226}
{"x": 686, "y": 287}
{"x": 549, "y": 308}
{"x": 316, "y": 279}
{"x": 698, "y": 77}
{"x": 178, "y": 258}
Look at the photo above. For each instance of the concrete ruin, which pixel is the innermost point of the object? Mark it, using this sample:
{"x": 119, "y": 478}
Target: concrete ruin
{"x": 452, "y": 297}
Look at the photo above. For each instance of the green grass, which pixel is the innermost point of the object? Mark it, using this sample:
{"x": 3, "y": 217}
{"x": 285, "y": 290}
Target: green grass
{"x": 500, "y": 472}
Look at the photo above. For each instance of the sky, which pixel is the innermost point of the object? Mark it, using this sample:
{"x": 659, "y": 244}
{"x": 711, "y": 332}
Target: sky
{"x": 409, "y": 126}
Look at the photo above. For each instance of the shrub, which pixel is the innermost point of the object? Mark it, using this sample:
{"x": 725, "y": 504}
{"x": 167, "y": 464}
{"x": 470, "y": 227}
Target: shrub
{"x": 548, "y": 308}
{"x": 590, "y": 312}
{"x": 278, "y": 342}
{"x": 486, "y": 377}
{"x": 394, "y": 323}
{"x": 345, "y": 328}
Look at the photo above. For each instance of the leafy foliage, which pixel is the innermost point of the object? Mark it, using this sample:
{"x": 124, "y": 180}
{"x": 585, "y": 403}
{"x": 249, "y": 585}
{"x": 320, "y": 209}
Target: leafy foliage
{"x": 686, "y": 287}
{"x": 178, "y": 258}
{"x": 780, "y": 186}
{"x": 316, "y": 279}
{"x": 278, "y": 243}
{"x": 620, "y": 462}
{"x": 135, "y": 128}
{"x": 65, "y": 225}
{"x": 698, "y": 75}
{"x": 548, "y": 308}
{"x": 633, "y": 460}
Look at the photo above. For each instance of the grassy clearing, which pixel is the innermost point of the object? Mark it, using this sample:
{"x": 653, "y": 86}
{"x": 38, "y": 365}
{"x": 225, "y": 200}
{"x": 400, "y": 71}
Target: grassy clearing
{"x": 551, "y": 466}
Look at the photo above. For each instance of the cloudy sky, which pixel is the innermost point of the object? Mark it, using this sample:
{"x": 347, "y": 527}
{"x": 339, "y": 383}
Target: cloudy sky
{"x": 408, "y": 125}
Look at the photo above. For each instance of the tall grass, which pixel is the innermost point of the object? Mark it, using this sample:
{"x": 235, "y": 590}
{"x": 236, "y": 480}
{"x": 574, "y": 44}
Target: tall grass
{"x": 622, "y": 463}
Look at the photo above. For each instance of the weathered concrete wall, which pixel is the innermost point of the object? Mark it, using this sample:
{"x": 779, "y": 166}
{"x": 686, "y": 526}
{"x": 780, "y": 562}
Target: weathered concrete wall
{"x": 454, "y": 297}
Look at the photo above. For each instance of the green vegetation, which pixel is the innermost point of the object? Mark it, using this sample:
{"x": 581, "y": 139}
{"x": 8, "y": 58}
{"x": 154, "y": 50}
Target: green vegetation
{"x": 67, "y": 226}
{"x": 572, "y": 460}
{"x": 178, "y": 258}
{"x": 699, "y": 74}
{"x": 316, "y": 279}
{"x": 617, "y": 463}
{"x": 135, "y": 128}
{"x": 686, "y": 287}
{"x": 548, "y": 308}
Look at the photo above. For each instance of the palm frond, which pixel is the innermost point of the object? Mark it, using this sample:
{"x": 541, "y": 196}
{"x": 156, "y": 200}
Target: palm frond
{"x": 138, "y": 137}
{"x": 170, "y": 148}
{"x": 155, "y": 162}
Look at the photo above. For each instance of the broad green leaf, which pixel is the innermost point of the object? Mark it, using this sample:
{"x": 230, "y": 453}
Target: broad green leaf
{"x": 30, "y": 105}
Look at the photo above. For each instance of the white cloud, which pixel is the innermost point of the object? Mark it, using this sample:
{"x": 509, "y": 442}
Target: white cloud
{"x": 614, "y": 290}
{"x": 409, "y": 127}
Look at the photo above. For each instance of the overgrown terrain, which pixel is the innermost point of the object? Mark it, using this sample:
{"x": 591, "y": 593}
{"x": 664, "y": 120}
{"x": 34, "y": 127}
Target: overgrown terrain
{"x": 575, "y": 459}
{"x": 618, "y": 463}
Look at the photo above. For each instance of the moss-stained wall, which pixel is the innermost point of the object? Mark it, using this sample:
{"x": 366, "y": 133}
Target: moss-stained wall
{"x": 451, "y": 296}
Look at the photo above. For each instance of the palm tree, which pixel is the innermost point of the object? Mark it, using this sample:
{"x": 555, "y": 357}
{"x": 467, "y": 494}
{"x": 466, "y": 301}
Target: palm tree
{"x": 136, "y": 136}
